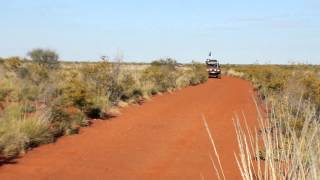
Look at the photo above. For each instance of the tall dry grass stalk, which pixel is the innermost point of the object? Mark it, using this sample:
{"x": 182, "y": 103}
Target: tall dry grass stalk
{"x": 279, "y": 148}
{"x": 219, "y": 172}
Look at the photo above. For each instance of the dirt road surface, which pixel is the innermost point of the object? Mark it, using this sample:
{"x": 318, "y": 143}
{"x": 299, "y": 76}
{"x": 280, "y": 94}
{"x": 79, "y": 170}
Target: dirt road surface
{"x": 164, "y": 138}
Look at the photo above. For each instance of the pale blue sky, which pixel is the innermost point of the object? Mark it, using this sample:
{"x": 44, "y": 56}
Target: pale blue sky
{"x": 272, "y": 31}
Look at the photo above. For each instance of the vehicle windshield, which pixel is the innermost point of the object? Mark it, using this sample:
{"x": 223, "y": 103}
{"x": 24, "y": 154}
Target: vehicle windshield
{"x": 213, "y": 66}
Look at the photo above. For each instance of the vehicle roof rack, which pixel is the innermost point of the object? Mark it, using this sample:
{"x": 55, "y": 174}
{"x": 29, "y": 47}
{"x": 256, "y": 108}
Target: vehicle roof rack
{"x": 211, "y": 61}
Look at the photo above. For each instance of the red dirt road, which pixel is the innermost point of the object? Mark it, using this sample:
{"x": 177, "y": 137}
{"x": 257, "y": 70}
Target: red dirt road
{"x": 164, "y": 138}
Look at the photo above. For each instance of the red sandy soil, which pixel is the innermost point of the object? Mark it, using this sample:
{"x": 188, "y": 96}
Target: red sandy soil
{"x": 164, "y": 138}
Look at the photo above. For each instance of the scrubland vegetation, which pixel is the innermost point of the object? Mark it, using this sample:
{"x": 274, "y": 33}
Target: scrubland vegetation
{"x": 287, "y": 144}
{"x": 42, "y": 99}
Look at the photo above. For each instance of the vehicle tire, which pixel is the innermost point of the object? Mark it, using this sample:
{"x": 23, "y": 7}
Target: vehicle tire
{"x": 219, "y": 76}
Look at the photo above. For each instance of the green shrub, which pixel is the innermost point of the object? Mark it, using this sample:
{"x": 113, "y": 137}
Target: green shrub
{"x": 94, "y": 112}
{"x": 38, "y": 74}
{"x": 19, "y": 131}
{"x": 4, "y": 93}
{"x": 99, "y": 75}
{"x": 78, "y": 120}
{"x": 312, "y": 86}
{"x": 29, "y": 108}
{"x": 128, "y": 85}
{"x": 114, "y": 92}
{"x": 136, "y": 93}
{"x": 184, "y": 78}
{"x": 75, "y": 92}
{"x": 292, "y": 81}
{"x": 28, "y": 92}
{"x": 36, "y": 129}
{"x": 13, "y": 112}
{"x": 103, "y": 80}
{"x": 23, "y": 73}
{"x": 12, "y": 63}
{"x": 99, "y": 107}
{"x": 12, "y": 143}
{"x": 66, "y": 123}
{"x": 153, "y": 91}
{"x": 58, "y": 118}
{"x": 199, "y": 73}
{"x": 6, "y": 88}
{"x": 163, "y": 74}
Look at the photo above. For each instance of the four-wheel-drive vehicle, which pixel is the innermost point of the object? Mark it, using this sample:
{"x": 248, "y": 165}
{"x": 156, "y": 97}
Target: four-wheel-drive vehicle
{"x": 213, "y": 68}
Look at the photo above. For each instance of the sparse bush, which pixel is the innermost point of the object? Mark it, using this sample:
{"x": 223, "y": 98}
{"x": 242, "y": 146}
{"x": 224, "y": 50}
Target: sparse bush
{"x": 232, "y": 72}
{"x": 312, "y": 88}
{"x": 114, "y": 92}
{"x": 99, "y": 75}
{"x": 75, "y": 92}
{"x": 128, "y": 86}
{"x": 153, "y": 91}
{"x": 102, "y": 77}
{"x": 28, "y": 92}
{"x": 163, "y": 74}
{"x": 38, "y": 74}
{"x": 199, "y": 73}
{"x": 184, "y": 78}
{"x": 66, "y": 123}
{"x": 137, "y": 93}
{"x": 275, "y": 79}
{"x": 23, "y": 72}
{"x": 94, "y": 112}
{"x": 58, "y": 119}
{"x": 99, "y": 107}
{"x": 4, "y": 92}
{"x": 12, "y": 112}
{"x": 29, "y": 108}
{"x": 12, "y": 63}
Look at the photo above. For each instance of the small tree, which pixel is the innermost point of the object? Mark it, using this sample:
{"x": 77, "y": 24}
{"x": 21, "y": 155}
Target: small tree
{"x": 45, "y": 58}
